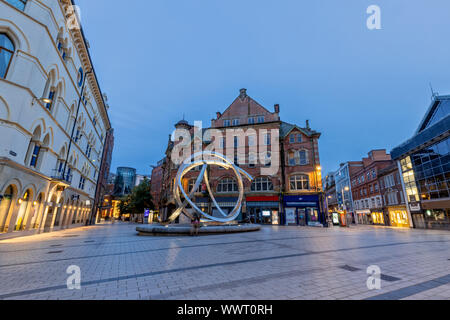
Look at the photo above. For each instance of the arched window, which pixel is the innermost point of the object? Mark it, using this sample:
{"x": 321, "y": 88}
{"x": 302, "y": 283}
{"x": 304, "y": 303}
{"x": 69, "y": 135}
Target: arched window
{"x": 227, "y": 185}
{"x": 19, "y": 4}
{"x": 6, "y": 53}
{"x": 299, "y": 182}
{"x": 262, "y": 184}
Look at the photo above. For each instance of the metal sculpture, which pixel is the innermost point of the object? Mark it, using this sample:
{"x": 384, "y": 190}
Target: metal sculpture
{"x": 212, "y": 158}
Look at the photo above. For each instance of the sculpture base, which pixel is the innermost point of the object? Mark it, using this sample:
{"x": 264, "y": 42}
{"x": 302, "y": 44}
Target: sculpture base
{"x": 185, "y": 229}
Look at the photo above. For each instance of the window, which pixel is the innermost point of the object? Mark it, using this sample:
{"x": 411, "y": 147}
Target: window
{"x": 51, "y": 95}
{"x": 236, "y": 122}
{"x": 226, "y": 123}
{"x": 251, "y": 141}
{"x": 268, "y": 159}
{"x": 291, "y": 158}
{"x": 227, "y": 185}
{"x": 260, "y": 119}
{"x": 191, "y": 185}
{"x": 81, "y": 183}
{"x": 262, "y": 184}
{"x": 299, "y": 138}
{"x": 374, "y": 174}
{"x": 236, "y": 141}
{"x": 222, "y": 143}
{"x": 35, "y": 156}
{"x": 6, "y": 53}
{"x": 19, "y": 4}
{"x": 251, "y": 120}
{"x": 267, "y": 139}
{"x": 376, "y": 187}
{"x": 299, "y": 182}
{"x": 303, "y": 158}
{"x": 252, "y": 160}
{"x": 292, "y": 138}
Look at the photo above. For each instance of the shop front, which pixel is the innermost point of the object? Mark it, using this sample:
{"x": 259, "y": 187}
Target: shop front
{"x": 302, "y": 210}
{"x": 378, "y": 218}
{"x": 227, "y": 205}
{"x": 264, "y": 209}
{"x": 364, "y": 216}
{"x": 398, "y": 217}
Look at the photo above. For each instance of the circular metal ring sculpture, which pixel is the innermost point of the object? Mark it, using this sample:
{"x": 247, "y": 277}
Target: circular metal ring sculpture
{"x": 213, "y": 159}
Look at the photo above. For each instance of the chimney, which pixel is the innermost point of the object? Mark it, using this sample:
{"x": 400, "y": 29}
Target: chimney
{"x": 218, "y": 115}
{"x": 307, "y": 125}
{"x": 277, "y": 108}
{"x": 242, "y": 93}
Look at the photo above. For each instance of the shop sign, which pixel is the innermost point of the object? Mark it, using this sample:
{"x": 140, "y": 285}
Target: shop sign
{"x": 415, "y": 206}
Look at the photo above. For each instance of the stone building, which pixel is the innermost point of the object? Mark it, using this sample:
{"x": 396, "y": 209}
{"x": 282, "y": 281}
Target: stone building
{"x": 53, "y": 119}
{"x": 391, "y": 190}
{"x": 283, "y": 158}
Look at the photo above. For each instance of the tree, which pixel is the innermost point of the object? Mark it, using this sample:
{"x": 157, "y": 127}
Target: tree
{"x": 124, "y": 205}
{"x": 141, "y": 198}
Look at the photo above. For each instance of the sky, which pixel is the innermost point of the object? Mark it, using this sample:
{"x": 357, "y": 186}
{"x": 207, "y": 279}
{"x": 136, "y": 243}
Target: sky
{"x": 363, "y": 89}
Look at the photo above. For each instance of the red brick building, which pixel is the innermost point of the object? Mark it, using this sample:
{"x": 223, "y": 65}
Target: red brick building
{"x": 282, "y": 158}
{"x": 367, "y": 196}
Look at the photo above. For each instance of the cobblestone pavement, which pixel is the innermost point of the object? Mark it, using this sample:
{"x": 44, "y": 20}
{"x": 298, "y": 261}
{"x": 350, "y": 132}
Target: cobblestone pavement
{"x": 275, "y": 263}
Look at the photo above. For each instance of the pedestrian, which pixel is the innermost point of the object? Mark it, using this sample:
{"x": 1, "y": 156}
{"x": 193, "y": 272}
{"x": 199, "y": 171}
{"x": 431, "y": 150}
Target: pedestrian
{"x": 196, "y": 224}
{"x": 193, "y": 224}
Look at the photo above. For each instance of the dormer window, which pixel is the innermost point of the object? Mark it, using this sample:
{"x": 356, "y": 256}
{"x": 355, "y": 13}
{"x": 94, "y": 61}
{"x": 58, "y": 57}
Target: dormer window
{"x": 226, "y": 123}
{"x": 235, "y": 122}
{"x": 251, "y": 120}
{"x": 260, "y": 119}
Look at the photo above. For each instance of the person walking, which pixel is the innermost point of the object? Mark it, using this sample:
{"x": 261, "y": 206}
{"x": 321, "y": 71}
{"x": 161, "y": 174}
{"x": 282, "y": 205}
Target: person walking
{"x": 196, "y": 224}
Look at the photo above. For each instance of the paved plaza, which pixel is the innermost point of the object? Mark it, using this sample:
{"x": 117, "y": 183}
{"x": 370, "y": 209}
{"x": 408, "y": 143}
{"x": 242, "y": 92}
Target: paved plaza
{"x": 274, "y": 263}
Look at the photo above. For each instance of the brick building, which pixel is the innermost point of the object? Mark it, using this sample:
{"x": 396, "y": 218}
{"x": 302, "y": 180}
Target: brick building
{"x": 282, "y": 158}
{"x": 367, "y": 197}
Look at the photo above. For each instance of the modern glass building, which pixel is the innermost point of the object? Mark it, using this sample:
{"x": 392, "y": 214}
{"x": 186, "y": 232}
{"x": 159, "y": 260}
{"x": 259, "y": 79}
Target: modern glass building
{"x": 125, "y": 181}
{"x": 424, "y": 161}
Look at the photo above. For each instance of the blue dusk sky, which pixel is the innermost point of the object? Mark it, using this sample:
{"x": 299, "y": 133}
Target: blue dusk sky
{"x": 363, "y": 89}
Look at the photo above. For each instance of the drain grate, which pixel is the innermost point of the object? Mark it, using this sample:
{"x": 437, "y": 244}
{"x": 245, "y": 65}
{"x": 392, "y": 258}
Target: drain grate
{"x": 52, "y": 252}
{"x": 56, "y": 245}
{"x": 350, "y": 268}
{"x": 389, "y": 278}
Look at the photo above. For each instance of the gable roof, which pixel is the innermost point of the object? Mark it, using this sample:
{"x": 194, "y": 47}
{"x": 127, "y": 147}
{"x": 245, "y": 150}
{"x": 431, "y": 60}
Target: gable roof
{"x": 244, "y": 105}
{"x": 286, "y": 129}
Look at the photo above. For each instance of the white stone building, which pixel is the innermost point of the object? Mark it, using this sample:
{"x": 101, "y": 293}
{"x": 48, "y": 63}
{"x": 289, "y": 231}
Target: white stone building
{"x": 47, "y": 180}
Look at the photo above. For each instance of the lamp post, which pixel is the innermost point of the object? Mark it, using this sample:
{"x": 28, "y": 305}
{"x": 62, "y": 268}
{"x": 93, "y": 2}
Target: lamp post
{"x": 344, "y": 206}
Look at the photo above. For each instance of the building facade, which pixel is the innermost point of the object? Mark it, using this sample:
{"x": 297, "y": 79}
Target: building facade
{"x": 391, "y": 189}
{"x": 424, "y": 162}
{"x": 53, "y": 118}
{"x": 344, "y": 191}
{"x": 288, "y": 192}
{"x": 367, "y": 197}
{"x": 125, "y": 181}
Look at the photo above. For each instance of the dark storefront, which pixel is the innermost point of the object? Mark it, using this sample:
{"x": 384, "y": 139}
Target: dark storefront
{"x": 302, "y": 210}
{"x": 264, "y": 210}
{"x": 425, "y": 165}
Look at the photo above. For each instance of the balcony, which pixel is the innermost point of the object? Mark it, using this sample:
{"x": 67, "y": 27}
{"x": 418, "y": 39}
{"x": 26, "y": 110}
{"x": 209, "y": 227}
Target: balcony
{"x": 57, "y": 175}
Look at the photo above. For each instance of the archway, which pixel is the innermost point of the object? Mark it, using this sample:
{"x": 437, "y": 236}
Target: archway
{"x": 24, "y": 208}
{"x": 50, "y": 214}
{"x": 59, "y": 213}
{"x": 7, "y": 206}
{"x": 39, "y": 208}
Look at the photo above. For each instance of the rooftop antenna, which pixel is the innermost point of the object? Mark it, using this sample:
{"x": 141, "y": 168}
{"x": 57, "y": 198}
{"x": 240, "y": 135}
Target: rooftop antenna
{"x": 433, "y": 94}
